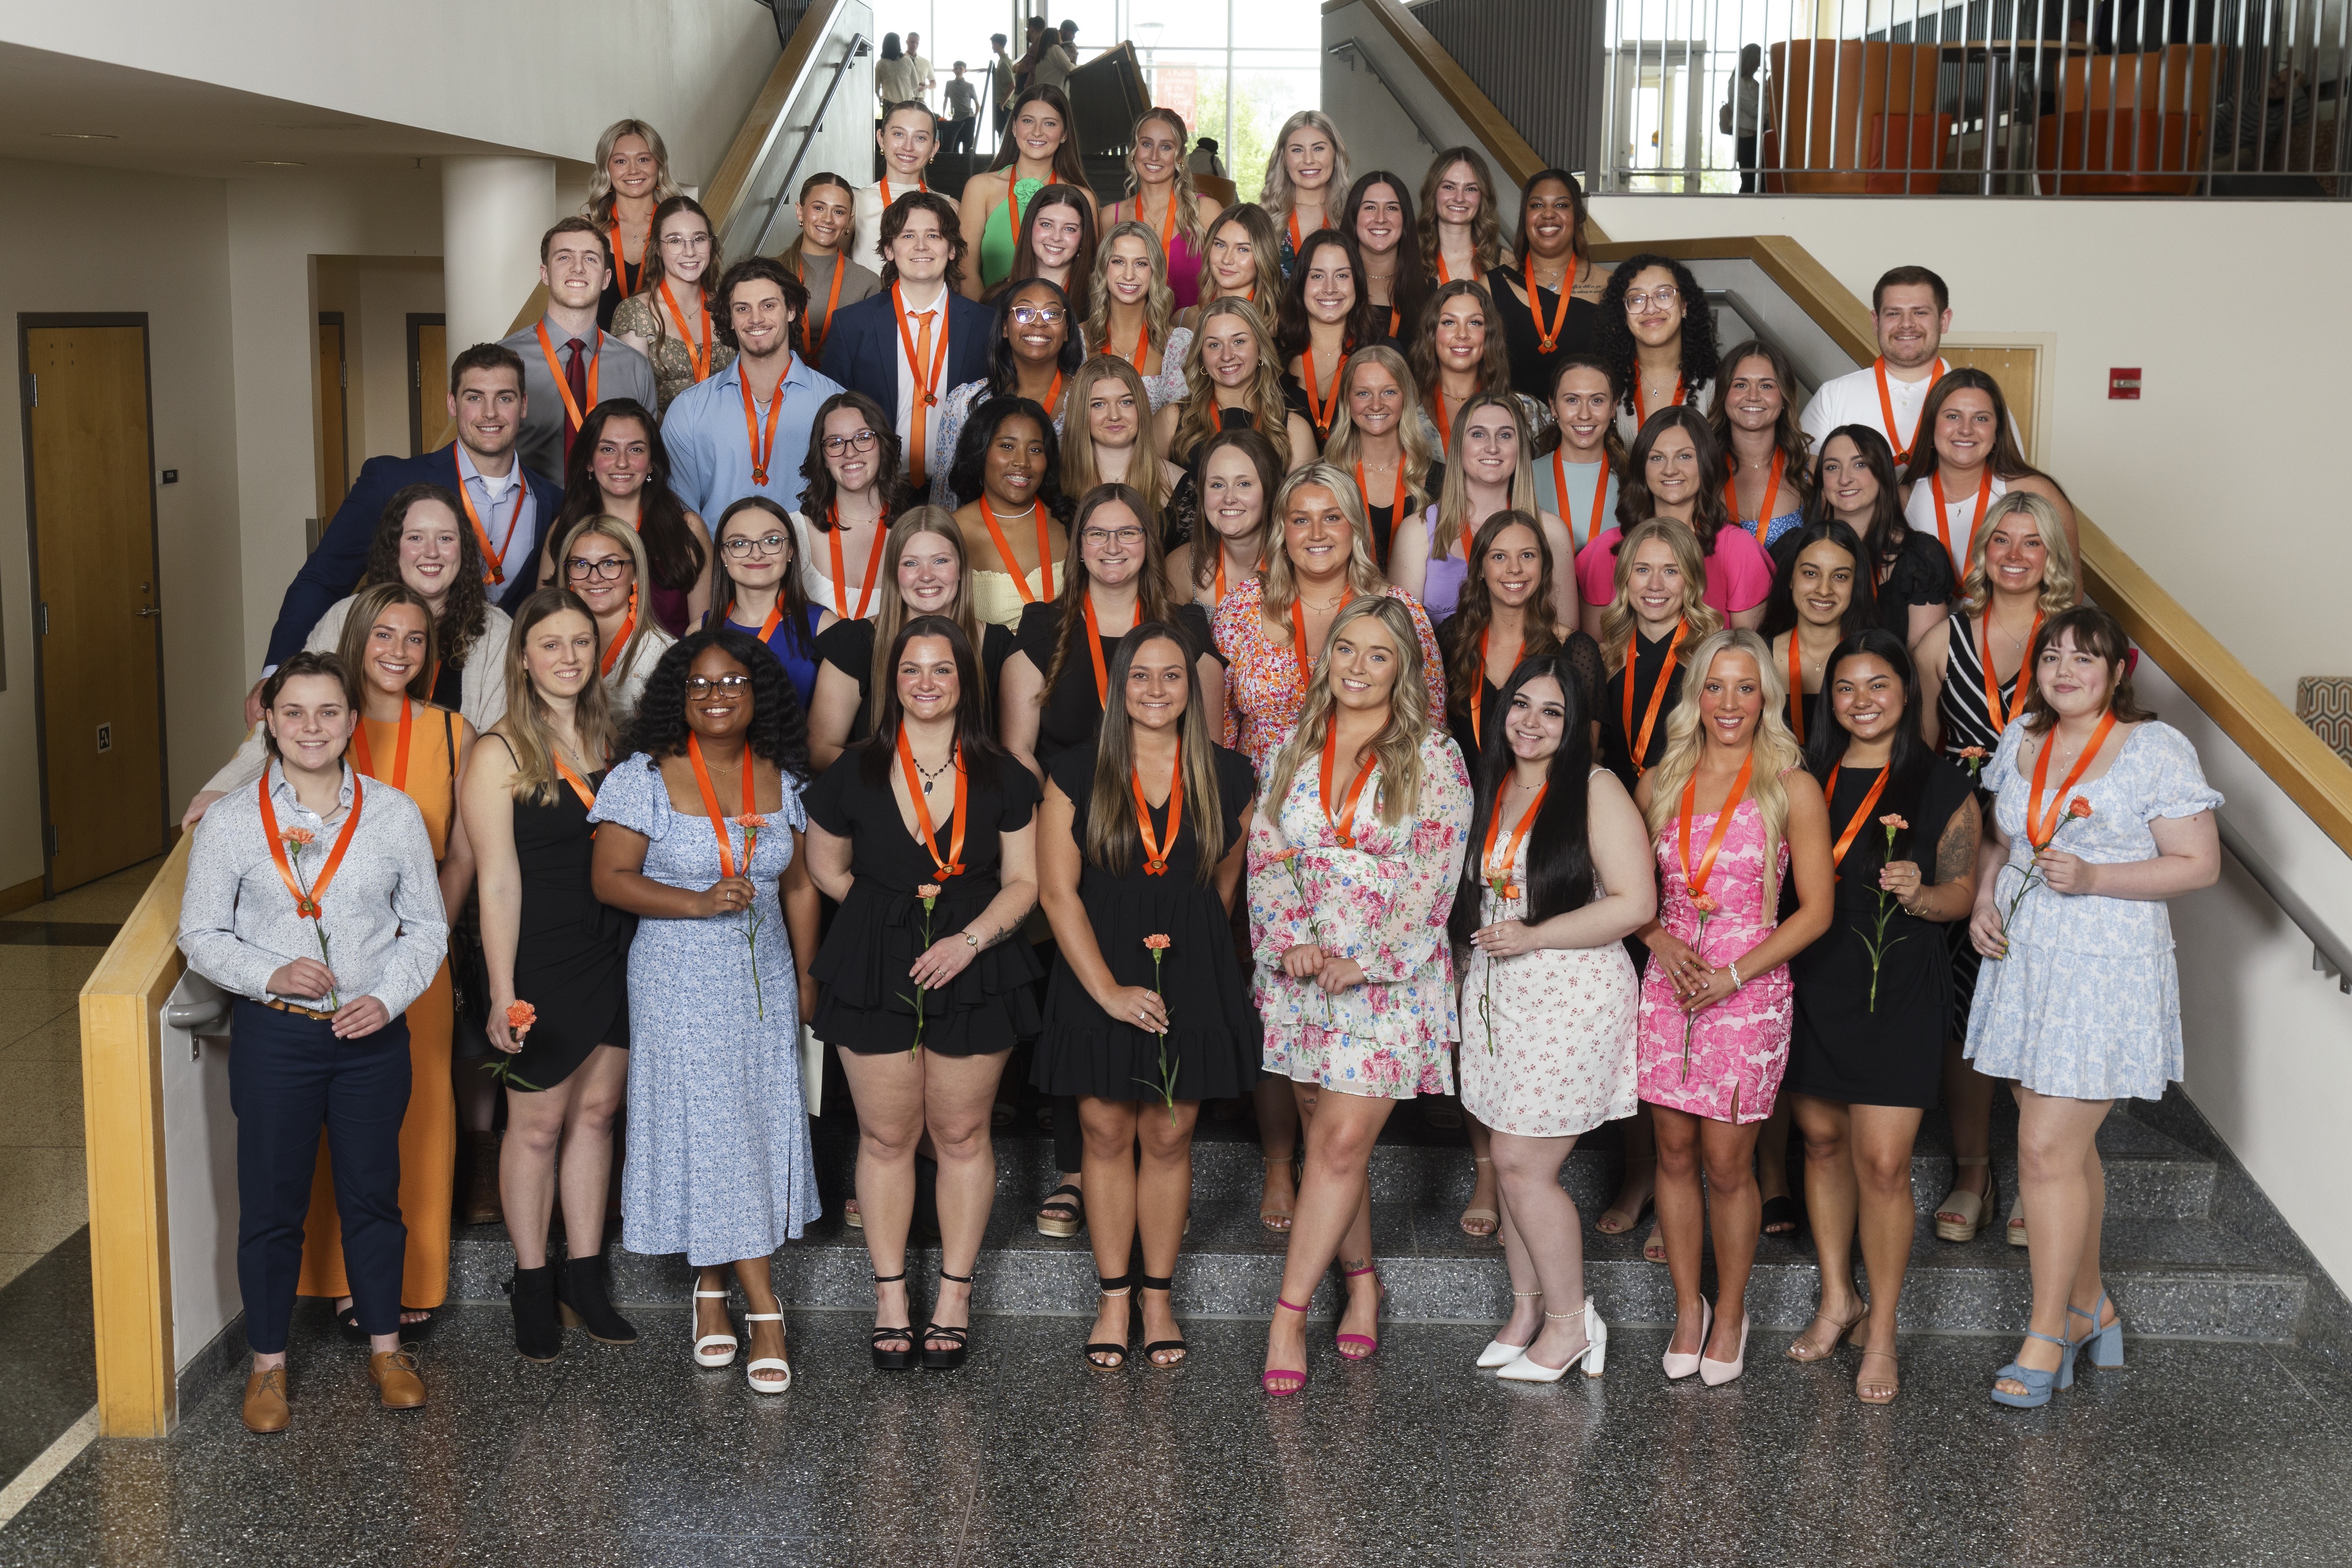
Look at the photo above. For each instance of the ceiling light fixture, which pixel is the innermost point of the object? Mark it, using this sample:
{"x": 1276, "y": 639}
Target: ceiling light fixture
{"x": 83, "y": 135}
{"x": 276, "y": 164}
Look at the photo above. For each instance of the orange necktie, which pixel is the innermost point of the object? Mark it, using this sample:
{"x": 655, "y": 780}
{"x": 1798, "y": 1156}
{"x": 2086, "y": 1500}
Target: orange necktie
{"x": 918, "y": 431}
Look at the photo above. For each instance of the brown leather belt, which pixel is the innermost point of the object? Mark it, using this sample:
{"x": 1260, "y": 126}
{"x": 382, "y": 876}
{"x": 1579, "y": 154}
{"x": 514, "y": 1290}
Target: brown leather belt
{"x": 301, "y": 1012}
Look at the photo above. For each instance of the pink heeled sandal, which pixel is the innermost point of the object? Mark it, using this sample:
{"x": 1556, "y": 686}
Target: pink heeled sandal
{"x": 1367, "y": 1340}
{"x": 1266, "y": 1378}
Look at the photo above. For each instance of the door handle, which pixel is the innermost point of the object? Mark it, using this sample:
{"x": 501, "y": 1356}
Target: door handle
{"x": 150, "y": 612}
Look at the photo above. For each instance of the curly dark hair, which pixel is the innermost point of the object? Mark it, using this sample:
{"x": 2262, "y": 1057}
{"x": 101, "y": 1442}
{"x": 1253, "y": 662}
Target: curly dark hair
{"x": 1003, "y": 371}
{"x": 965, "y": 477}
{"x": 1291, "y": 326}
{"x": 466, "y": 613}
{"x": 816, "y": 479}
{"x": 671, "y": 550}
{"x": 779, "y": 728}
{"x": 766, "y": 269}
{"x": 1614, "y": 340}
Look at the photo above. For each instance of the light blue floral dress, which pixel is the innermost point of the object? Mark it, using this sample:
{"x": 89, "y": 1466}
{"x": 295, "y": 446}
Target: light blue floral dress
{"x": 1383, "y": 903}
{"x": 2088, "y": 1004}
{"x": 718, "y": 1163}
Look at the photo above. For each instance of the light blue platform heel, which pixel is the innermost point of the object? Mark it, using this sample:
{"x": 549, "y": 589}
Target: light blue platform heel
{"x": 2106, "y": 1343}
{"x": 2038, "y": 1383}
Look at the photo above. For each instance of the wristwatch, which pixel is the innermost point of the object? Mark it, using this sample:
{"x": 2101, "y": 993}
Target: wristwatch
{"x": 973, "y": 941}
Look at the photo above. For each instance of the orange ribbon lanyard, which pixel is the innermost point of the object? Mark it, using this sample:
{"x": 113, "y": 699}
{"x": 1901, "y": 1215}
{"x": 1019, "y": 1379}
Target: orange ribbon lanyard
{"x": 954, "y": 862}
{"x": 1342, "y": 825}
{"x": 1444, "y": 275}
{"x": 886, "y": 190}
{"x": 1004, "y": 551}
{"x": 700, "y": 358}
{"x": 1478, "y": 703}
{"x": 1886, "y": 408}
{"x": 1796, "y": 689}
{"x": 1444, "y": 425}
{"x": 493, "y": 561}
{"x": 1943, "y": 512}
{"x": 1657, "y": 693}
{"x": 1861, "y": 815}
{"x": 1221, "y": 572}
{"x": 1094, "y": 648}
{"x": 621, "y": 260}
{"x": 1396, "y": 496}
{"x": 1560, "y": 491}
{"x": 927, "y": 376}
{"x": 1640, "y": 404}
{"x": 306, "y": 905}
{"x": 710, "y": 804}
{"x": 2038, "y": 829}
{"x": 579, "y": 786}
{"x": 1155, "y": 853}
{"x": 1296, "y": 241}
{"x": 1054, "y": 393}
{"x": 572, "y": 411}
{"x": 1696, "y": 880}
{"x": 1168, "y": 222}
{"x": 1992, "y": 687}
{"x": 761, "y": 451}
{"x": 399, "y": 779}
{"x": 840, "y": 577}
{"x": 1012, "y": 196}
{"x": 1298, "y": 624}
{"x": 620, "y": 638}
{"x": 1772, "y": 493}
{"x": 1142, "y": 346}
{"x": 775, "y": 618}
{"x": 1318, "y": 410}
{"x": 1547, "y": 340}
{"x": 1395, "y": 318}
{"x": 1510, "y": 887}
{"x": 832, "y": 302}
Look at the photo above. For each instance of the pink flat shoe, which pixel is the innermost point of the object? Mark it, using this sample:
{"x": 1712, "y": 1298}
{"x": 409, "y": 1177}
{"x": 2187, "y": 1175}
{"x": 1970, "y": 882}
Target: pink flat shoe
{"x": 1295, "y": 1381}
{"x": 1367, "y": 1340}
{"x": 1681, "y": 1367}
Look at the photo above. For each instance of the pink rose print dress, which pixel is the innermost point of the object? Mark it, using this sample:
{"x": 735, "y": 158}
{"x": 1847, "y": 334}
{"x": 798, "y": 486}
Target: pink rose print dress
{"x": 1548, "y": 1035}
{"x": 1383, "y": 904}
{"x": 1739, "y": 1047}
{"x": 1263, "y": 689}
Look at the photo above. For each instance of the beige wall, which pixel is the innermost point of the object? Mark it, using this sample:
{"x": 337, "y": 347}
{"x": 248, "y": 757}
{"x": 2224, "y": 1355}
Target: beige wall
{"x": 377, "y": 294}
{"x": 2230, "y": 426}
{"x": 132, "y": 242}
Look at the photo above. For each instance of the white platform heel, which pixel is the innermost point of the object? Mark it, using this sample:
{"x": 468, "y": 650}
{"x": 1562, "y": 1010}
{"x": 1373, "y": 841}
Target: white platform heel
{"x": 753, "y": 1370}
{"x": 711, "y": 1350}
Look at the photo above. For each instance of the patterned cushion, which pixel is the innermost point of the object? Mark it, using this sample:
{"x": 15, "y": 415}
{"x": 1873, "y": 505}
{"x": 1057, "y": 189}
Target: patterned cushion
{"x": 2325, "y": 702}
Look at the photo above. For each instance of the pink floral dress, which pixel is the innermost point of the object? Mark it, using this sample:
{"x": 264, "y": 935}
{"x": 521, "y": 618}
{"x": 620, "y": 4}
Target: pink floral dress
{"x": 1383, "y": 904}
{"x": 1548, "y": 1035}
{"x": 1739, "y": 1047}
{"x": 1263, "y": 689}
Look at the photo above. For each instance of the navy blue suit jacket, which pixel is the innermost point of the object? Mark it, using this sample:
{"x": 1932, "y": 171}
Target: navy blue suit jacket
{"x": 862, "y": 349}
{"x": 335, "y": 567}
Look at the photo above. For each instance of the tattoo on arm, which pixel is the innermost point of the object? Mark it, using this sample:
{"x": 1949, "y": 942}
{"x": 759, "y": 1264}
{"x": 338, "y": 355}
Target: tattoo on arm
{"x": 1956, "y": 852}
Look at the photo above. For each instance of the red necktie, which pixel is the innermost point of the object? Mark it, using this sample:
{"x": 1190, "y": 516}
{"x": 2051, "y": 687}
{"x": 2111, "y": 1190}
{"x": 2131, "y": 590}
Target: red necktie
{"x": 575, "y": 376}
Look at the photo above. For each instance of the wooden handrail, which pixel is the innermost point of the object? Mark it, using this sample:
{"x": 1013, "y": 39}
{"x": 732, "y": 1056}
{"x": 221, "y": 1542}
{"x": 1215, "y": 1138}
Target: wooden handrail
{"x": 2249, "y": 712}
{"x": 122, "y": 1127}
{"x": 1514, "y": 160}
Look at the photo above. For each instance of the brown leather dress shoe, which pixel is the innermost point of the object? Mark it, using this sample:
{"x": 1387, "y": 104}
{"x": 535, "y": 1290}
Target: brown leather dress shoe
{"x": 398, "y": 1387}
{"x": 265, "y": 1409}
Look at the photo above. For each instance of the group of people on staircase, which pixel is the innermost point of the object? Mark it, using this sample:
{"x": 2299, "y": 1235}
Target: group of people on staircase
{"x": 1294, "y": 657}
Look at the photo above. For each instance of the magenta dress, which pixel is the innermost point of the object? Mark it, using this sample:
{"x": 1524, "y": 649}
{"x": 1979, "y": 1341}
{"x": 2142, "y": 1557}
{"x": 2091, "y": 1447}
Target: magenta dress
{"x": 1738, "y": 1048}
{"x": 1183, "y": 270}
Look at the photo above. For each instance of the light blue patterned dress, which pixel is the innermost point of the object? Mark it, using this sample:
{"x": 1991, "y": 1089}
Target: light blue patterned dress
{"x": 2088, "y": 1004}
{"x": 719, "y": 1164}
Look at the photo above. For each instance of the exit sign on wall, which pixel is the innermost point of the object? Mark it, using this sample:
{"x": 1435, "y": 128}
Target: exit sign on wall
{"x": 2123, "y": 384}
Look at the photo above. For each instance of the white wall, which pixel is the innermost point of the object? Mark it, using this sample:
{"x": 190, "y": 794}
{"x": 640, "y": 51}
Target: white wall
{"x": 536, "y": 78}
{"x": 156, "y": 245}
{"x": 2233, "y": 428}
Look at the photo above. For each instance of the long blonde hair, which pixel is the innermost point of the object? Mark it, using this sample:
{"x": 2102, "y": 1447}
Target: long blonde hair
{"x": 1111, "y": 835}
{"x": 2060, "y": 586}
{"x": 641, "y": 590}
{"x": 598, "y": 208}
{"x": 890, "y": 610}
{"x": 1187, "y": 199}
{"x": 1399, "y": 743}
{"x": 1345, "y": 446}
{"x": 529, "y": 725}
{"x": 1278, "y": 196}
{"x": 1159, "y": 303}
{"x": 1617, "y": 622}
{"x": 1454, "y": 498}
{"x": 1774, "y": 749}
{"x": 1079, "y": 473}
{"x": 1199, "y": 420}
{"x": 1364, "y": 579}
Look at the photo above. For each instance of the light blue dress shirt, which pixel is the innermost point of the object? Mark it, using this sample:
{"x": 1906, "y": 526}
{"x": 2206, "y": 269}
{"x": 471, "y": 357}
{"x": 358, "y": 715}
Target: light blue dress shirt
{"x": 710, "y": 450}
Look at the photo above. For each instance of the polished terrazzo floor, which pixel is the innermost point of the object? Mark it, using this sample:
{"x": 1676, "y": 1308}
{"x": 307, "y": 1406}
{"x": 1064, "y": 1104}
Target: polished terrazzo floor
{"x": 2196, "y": 1454}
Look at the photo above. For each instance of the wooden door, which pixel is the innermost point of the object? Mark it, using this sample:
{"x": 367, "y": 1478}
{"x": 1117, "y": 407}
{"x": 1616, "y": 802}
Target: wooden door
{"x": 334, "y": 426}
{"x": 97, "y": 605}
{"x": 2016, "y": 369}
{"x": 428, "y": 366}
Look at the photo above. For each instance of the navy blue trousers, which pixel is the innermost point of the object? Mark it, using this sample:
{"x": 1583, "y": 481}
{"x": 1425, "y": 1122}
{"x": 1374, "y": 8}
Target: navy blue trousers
{"x": 288, "y": 1078}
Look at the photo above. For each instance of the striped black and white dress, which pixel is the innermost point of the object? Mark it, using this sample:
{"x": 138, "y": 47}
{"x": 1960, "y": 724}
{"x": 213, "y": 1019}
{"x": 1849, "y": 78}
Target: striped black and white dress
{"x": 1962, "y": 713}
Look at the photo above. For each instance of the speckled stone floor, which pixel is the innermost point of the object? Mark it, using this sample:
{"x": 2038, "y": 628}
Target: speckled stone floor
{"x": 2196, "y": 1454}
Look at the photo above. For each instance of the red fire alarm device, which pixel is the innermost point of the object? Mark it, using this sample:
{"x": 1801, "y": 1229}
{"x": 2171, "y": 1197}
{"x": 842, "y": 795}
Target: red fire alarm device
{"x": 2123, "y": 384}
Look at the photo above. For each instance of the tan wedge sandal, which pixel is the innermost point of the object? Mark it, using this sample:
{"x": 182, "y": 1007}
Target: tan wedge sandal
{"x": 1963, "y": 1214}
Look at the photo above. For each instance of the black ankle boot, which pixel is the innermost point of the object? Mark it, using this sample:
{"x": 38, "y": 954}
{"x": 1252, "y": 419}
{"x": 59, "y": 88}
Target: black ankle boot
{"x": 580, "y": 1297}
{"x": 538, "y": 1336}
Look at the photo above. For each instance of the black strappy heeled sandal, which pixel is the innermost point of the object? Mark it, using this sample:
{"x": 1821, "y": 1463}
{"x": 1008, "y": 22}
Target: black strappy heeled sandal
{"x": 949, "y": 1359}
{"x": 1166, "y": 1283}
{"x": 893, "y": 1361}
{"x": 1119, "y": 1287}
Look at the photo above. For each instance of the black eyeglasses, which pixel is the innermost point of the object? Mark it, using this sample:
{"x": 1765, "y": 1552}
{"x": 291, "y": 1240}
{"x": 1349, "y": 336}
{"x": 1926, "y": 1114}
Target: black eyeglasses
{"x": 742, "y": 549}
{"x": 606, "y": 571}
